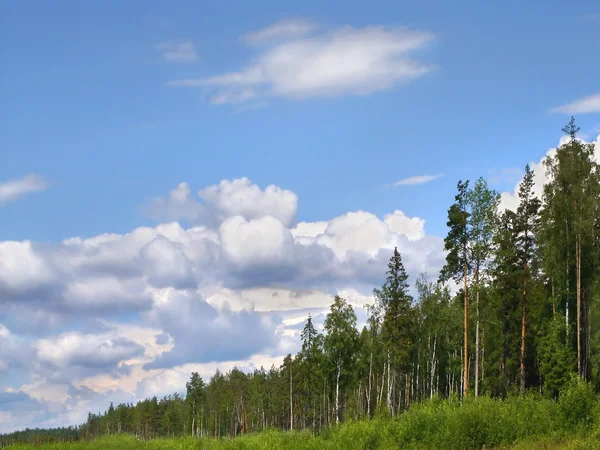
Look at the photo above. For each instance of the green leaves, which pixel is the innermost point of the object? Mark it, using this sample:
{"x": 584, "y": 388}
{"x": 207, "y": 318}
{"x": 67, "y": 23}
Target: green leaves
{"x": 341, "y": 334}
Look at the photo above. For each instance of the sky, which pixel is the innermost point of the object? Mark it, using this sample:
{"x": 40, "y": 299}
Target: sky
{"x": 182, "y": 183}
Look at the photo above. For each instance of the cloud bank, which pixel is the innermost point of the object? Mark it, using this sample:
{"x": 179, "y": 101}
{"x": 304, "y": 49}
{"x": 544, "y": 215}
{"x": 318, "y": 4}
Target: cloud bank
{"x": 91, "y": 320}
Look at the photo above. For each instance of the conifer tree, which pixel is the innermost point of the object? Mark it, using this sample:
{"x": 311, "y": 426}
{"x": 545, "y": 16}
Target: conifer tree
{"x": 527, "y": 221}
{"x": 398, "y": 321}
{"x": 458, "y": 264}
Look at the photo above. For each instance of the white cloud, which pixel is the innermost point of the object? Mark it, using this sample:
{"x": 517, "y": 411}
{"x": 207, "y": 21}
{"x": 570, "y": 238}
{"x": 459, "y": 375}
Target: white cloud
{"x": 224, "y": 200}
{"x": 284, "y": 29}
{"x": 418, "y": 179}
{"x": 589, "y": 104}
{"x": 261, "y": 241}
{"x": 14, "y": 189}
{"x": 310, "y": 229}
{"x": 241, "y": 197}
{"x": 104, "y": 293}
{"x": 357, "y": 231}
{"x": 238, "y": 284}
{"x": 22, "y": 269}
{"x": 181, "y": 51}
{"x": 166, "y": 264}
{"x": 412, "y": 227}
{"x": 86, "y": 350}
{"x": 348, "y": 60}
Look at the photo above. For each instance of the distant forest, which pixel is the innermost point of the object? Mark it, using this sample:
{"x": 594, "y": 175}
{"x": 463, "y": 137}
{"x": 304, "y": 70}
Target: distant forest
{"x": 525, "y": 317}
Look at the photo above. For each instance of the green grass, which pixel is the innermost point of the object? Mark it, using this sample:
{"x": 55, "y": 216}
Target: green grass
{"x": 529, "y": 422}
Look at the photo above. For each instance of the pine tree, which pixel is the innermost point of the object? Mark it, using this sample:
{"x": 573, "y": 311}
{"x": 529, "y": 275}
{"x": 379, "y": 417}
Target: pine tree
{"x": 458, "y": 264}
{"x": 527, "y": 221}
{"x": 568, "y": 223}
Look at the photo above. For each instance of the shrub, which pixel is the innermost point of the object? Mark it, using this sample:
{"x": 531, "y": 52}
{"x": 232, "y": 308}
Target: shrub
{"x": 578, "y": 405}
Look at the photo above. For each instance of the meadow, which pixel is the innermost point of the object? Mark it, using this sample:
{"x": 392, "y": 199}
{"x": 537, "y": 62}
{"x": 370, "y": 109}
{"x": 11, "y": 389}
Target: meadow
{"x": 520, "y": 422}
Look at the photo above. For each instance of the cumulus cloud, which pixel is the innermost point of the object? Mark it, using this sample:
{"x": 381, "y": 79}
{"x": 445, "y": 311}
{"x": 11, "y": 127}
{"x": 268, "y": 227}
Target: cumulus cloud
{"x": 348, "y": 60}
{"x": 14, "y": 351}
{"x": 264, "y": 241}
{"x": 411, "y": 227}
{"x": 99, "y": 294}
{"x": 202, "y": 333}
{"x": 253, "y": 246}
{"x": 166, "y": 264}
{"x": 22, "y": 270}
{"x": 417, "y": 179}
{"x": 589, "y": 104}
{"x": 239, "y": 197}
{"x": 178, "y": 51}
{"x": 12, "y": 190}
{"x": 238, "y": 283}
{"x": 85, "y": 350}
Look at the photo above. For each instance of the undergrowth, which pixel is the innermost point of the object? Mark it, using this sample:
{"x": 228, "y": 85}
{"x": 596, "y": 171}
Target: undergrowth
{"x": 528, "y": 422}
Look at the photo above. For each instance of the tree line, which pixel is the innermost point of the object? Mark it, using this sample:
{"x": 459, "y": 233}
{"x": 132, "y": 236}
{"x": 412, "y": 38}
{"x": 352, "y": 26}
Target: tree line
{"x": 516, "y": 308}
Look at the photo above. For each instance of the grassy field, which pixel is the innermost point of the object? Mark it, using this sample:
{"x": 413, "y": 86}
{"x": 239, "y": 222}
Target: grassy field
{"x": 529, "y": 422}
{"x": 299, "y": 441}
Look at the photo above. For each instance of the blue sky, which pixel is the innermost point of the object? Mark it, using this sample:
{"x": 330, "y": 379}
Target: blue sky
{"x": 86, "y": 105}
{"x": 311, "y": 139}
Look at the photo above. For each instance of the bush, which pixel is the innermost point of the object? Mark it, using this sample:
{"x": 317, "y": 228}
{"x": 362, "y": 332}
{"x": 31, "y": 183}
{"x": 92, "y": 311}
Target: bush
{"x": 525, "y": 422}
{"x": 578, "y": 404}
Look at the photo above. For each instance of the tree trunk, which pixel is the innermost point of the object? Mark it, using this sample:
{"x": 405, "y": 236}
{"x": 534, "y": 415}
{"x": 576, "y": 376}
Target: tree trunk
{"x": 291, "y": 402}
{"x": 369, "y": 391}
{"x": 382, "y": 385}
{"x": 483, "y": 354}
{"x": 245, "y": 426}
{"x": 193, "y": 416}
{"x": 337, "y": 392}
{"x": 389, "y": 387}
{"x": 477, "y": 334}
{"x": 523, "y": 328}
{"x": 432, "y": 373}
{"x": 407, "y": 401}
{"x": 578, "y": 264}
{"x": 416, "y": 393}
{"x": 466, "y": 335}
{"x": 324, "y": 412}
{"x": 568, "y": 288}
{"x": 553, "y": 300}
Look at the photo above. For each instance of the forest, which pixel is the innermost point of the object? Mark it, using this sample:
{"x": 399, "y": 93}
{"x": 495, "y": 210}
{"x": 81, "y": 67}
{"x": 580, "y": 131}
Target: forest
{"x": 509, "y": 332}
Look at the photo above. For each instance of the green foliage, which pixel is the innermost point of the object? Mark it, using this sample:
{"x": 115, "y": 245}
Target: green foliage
{"x": 521, "y": 422}
{"x": 578, "y": 404}
{"x": 557, "y": 359}
{"x": 398, "y": 315}
{"x": 457, "y": 241}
